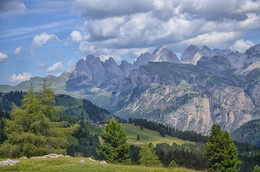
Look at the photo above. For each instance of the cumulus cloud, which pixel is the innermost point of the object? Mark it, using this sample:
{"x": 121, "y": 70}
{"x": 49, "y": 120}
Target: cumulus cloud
{"x": 55, "y": 67}
{"x": 241, "y": 45}
{"x": 76, "y": 36}
{"x": 15, "y": 79}
{"x": 18, "y": 50}
{"x": 120, "y": 25}
{"x": 43, "y": 38}
{"x": 11, "y": 7}
{"x": 3, "y": 56}
{"x": 213, "y": 38}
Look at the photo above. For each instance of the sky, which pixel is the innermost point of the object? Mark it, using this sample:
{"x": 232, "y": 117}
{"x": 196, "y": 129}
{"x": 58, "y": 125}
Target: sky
{"x": 46, "y": 37}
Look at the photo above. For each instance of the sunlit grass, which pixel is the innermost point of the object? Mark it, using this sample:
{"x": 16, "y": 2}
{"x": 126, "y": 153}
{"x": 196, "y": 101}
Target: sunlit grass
{"x": 72, "y": 164}
{"x": 148, "y": 136}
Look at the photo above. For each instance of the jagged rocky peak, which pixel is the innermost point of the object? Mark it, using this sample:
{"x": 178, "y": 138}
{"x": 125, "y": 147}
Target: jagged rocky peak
{"x": 126, "y": 68}
{"x": 189, "y": 53}
{"x": 160, "y": 54}
{"x": 97, "y": 69}
{"x": 163, "y": 54}
{"x": 159, "y": 49}
{"x": 205, "y": 49}
{"x": 220, "y": 52}
{"x": 82, "y": 69}
{"x": 254, "y": 51}
{"x": 143, "y": 59}
{"x": 112, "y": 69}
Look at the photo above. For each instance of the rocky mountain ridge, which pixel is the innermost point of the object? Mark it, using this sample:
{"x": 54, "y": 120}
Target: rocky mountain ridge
{"x": 207, "y": 86}
{"x": 194, "y": 96}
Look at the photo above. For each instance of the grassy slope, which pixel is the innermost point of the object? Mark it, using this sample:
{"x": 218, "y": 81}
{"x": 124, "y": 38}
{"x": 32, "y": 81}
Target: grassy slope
{"x": 147, "y": 135}
{"x": 72, "y": 164}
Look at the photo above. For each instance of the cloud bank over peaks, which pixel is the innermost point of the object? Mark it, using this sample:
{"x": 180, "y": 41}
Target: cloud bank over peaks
{"x": 121, "y": 24}
{"x": 241, "y": 45}
{"x": 15, "y": 79}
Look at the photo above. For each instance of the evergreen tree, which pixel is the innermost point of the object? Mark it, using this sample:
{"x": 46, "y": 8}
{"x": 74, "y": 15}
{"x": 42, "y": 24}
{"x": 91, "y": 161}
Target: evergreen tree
{"x": 114, "y": 147}
{"x": 32, "y": 130}
{"x": 148, "y": 156}
{"x": 256, "y": 169}
{"x": 138, "y": 137}
{"x": 173, "y": 164}
{"x": 221, "y": 151}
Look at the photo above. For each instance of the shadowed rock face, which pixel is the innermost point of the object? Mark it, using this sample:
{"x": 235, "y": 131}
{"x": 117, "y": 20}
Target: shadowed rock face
{"x": 189, "y": 53}
{"x": 126, "y": 68}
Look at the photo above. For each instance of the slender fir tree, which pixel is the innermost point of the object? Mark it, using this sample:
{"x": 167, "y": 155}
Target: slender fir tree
{"x": 221, "y": 151}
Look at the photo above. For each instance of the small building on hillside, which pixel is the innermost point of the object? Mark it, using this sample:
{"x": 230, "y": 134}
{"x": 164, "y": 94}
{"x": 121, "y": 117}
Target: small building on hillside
{"x": 101, "y": 123}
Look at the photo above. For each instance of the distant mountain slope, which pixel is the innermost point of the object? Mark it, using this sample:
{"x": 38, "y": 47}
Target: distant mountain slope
{"x": 249, "y": 133}
{"x": 57, "y": 84}
{"x": 81, "y": 108}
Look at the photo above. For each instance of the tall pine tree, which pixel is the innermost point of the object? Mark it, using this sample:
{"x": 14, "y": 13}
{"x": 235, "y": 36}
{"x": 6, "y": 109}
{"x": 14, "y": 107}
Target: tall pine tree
{"x": 32, "y": 130}
{"x": 114, "y": 148}
{"x": 221, "y": 151}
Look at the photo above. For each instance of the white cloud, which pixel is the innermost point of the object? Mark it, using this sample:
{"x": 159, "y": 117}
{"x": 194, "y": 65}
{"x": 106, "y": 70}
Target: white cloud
{"x": 18, "y": 50}
{"x": 213, "y": 38}
{"x": 76, "y": 36}
{"x": 252, "y": 22}
{"x": 241, "y": 45}
{"x": 3, "y": 56}
{"x": 15, "y": 79}
{"x": 55, "y": 67}
{"x": 40, "y": 40}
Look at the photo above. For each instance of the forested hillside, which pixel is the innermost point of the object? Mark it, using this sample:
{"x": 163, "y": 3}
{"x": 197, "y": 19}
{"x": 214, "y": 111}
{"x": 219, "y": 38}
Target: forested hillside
{"x": 83, "y": 109}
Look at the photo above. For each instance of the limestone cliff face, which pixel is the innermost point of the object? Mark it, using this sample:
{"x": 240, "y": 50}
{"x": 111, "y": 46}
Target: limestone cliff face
{"x": 186, "y": 97}
{"x": 231, "y": 107}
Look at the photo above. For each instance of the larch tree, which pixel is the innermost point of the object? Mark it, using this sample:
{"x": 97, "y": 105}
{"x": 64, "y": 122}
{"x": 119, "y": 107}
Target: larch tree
{"x": 33, "y": 130}
{"x": 221, "y": 151}
{"x": 148, "y": 156}
{"x": 114, "y": 147}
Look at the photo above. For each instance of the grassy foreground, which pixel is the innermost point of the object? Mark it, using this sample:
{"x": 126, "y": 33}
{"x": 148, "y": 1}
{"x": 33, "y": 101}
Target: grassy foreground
{"x": 148, "y": 136}
{"x": 72, "y": 164}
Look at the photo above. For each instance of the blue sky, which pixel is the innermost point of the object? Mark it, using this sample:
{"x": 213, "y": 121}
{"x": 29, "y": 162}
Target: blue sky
{"x": 44, "y": 37}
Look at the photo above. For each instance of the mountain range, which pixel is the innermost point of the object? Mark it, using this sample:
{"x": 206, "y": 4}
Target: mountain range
{"x": 206, "y": 86}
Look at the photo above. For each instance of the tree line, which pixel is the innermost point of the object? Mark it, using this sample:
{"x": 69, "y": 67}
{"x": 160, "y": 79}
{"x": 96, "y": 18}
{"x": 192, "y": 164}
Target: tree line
{"x": 166, "y": 130}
